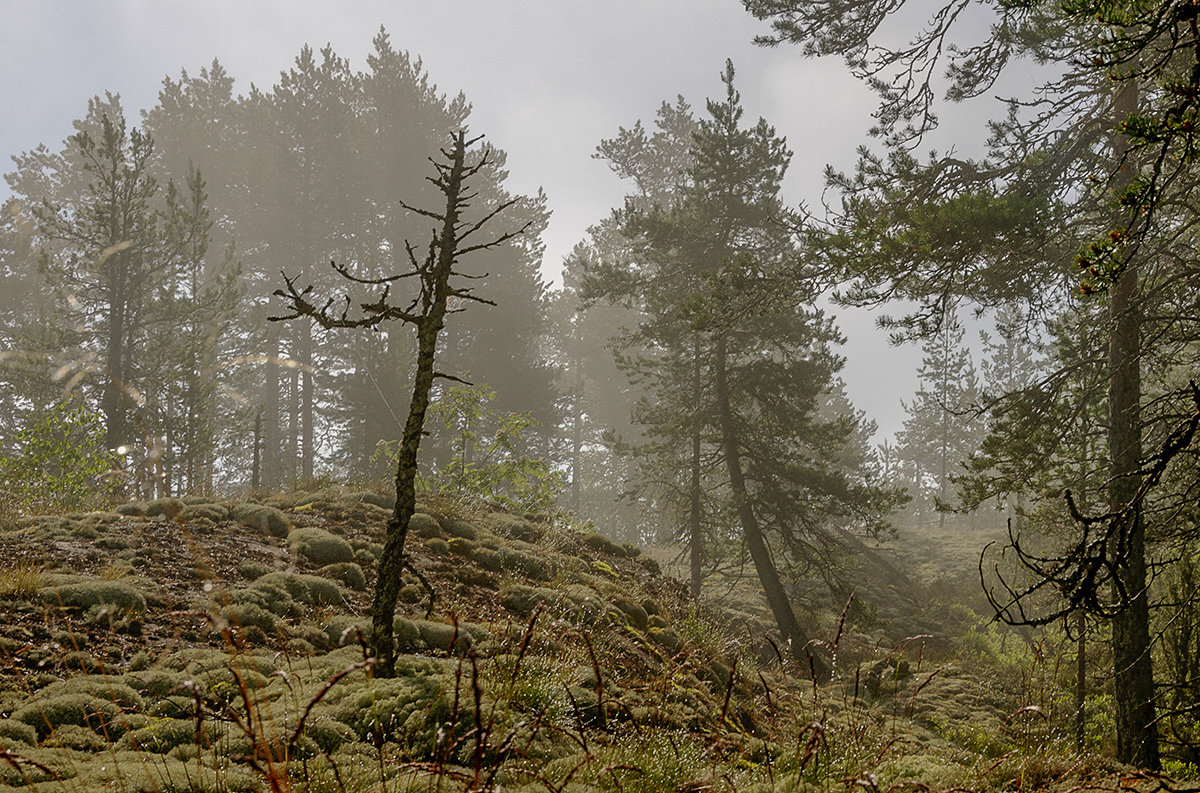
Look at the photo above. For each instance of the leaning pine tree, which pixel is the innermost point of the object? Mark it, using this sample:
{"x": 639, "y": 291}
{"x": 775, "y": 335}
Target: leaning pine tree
{"x": 426, "y": 312}
{"x": 730, "y": 321}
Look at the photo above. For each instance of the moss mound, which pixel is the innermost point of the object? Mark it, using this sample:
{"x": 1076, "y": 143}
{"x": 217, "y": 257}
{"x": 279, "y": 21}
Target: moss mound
{"x": 319, "y": 547}
{"x": 86, "y": 594}
{"x": 268, "y": 520}
{"x": 310, "y": 590}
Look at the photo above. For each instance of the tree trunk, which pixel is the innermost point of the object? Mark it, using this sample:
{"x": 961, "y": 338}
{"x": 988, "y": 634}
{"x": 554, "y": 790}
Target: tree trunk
{"x": 291, "y": 454}
{"x": 256, "y": 455}
{"x": 577, "y": 434}
{"x": 307, "y": 397}
{"x": 1081, "y": 682}
{"x": 695, "y": 505}
{"x": 112, "y": 400}
{"x": 1133, "y": 674}
{"x": 768, "y": 575}
{"x": 271, "y": 435}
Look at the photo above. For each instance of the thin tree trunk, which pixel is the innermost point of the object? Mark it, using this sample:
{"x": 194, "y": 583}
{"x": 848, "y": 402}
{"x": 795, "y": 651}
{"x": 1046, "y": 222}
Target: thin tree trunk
{"x": 112, "y": 399}
{"x": 271, "y": 435}
{"x": 577, "y": 434}
{"x": 292, "y": 451}
{"x": 695, "y": 505}
{"x": 256, "y": 456}
{"x": 756, "y": 542}
{"x": 1080, "y": 682}
{"x": 307, "y": 397}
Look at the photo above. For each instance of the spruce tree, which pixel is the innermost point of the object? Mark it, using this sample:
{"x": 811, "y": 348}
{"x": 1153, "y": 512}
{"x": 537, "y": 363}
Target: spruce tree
{"x": 944, "y": 427}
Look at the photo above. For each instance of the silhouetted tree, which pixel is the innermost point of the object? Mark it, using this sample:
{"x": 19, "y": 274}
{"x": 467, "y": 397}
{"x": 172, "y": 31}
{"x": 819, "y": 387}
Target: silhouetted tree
{"x": 943, "y": 428}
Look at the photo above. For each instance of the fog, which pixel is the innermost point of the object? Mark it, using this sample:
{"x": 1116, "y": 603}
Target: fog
{"x": 546, "y": 83}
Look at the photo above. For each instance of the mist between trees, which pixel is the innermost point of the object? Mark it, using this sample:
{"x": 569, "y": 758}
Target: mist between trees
{"x": 681, "y": 388}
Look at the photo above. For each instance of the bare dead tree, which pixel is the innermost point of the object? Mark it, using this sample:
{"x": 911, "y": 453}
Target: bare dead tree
{"x": 452, "y": 238}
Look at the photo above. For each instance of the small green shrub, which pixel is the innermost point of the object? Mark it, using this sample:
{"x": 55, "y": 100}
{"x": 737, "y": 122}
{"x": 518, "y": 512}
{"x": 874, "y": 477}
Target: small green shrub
{"x": 365, "y": 557}
{"x": 80, "y": 739}
{"x": 318, "y": 547}
{"x": 650, "y": 565}
{"x": 438, "y": 546}
{"x": 633, "y": 612}
{"x": 247, "y": 614}
{"x": 491, "y": 454}
{"x": 312, "y": 635}
{"x": 206, "y": 511}
{"x": 367, "y": 497}
{"x": 155, "y": 683}
{"x": 114, "y": 689}
{"x": 408, "y": 708}
{"x": 176, "y": 706}
{"x": 526, "y": 564}
{"x": 328, "y": 734}
{"x": 271, "y": 595}
{"x": 515, "y": 528}
{"x": 56, "y": 463}
{"x": 412, "y": 593}
{"x": 164, "y": 507}
{"x": 665, "y": 637}
{"x": 340, "y": 630}
{"x": 163, "y": 736}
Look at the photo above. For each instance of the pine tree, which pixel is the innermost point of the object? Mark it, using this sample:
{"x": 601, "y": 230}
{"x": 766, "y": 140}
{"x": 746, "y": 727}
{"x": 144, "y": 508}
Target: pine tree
{"x": 943, "y": 428}
{"x": 735, "y": 350}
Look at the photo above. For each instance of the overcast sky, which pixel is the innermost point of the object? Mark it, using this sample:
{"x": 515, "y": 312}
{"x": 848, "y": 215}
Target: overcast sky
{"x": 547, "y": 80}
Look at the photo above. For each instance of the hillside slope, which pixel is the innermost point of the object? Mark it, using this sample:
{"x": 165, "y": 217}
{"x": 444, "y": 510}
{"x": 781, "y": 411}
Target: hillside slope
{"x": 202, "y": 646}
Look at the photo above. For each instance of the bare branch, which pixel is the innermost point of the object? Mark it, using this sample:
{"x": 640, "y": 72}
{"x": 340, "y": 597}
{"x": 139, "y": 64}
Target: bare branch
{"x": 500, "y": 208}
{"x": 503, "y": 238}
{"x": 452, "y": 378}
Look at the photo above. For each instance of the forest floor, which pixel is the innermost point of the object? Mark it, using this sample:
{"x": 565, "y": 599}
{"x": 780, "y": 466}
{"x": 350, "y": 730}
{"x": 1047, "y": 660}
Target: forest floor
{"x": 193, "y": 645}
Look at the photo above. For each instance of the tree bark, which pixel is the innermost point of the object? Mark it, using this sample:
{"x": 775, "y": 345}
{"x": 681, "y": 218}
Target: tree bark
{"x": 768, "y": 575}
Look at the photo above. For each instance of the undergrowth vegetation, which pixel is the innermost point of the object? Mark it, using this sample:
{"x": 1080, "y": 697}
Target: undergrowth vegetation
{"x": 194, "y": 645}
